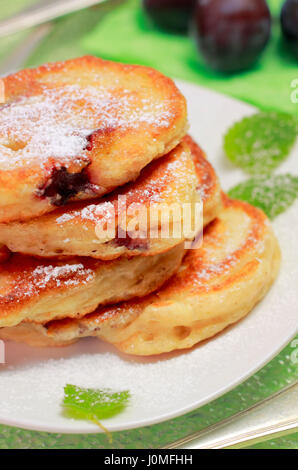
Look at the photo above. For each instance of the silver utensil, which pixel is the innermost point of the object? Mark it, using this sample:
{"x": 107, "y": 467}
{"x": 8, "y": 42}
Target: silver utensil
{"x": 41, "y": 13}
{"x": 271, "y": 418}
{"x": 20, "y": 54}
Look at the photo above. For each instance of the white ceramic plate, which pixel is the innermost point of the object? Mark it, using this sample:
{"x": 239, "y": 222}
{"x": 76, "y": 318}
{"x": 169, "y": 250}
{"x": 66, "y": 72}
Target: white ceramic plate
{"x": 32, "y": 381}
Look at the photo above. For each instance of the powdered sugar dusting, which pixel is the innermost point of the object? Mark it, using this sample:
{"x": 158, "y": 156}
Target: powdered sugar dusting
{"x": 67, "y": 275}
{"x": 56, "y": 123}
{"x": 30, "y": 281}
{"x": 91, "y": 212}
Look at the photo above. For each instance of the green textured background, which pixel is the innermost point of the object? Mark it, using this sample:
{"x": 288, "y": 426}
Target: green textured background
{"x": 90, "y": 31}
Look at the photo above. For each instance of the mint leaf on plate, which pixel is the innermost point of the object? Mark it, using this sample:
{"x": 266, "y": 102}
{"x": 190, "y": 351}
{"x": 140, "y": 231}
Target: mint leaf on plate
{"x": 259, "y": 143}
{"x": 271, "y": 194}
{"x": 93, "y": 404}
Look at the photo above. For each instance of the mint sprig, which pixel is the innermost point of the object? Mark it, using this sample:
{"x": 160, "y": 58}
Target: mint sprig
{"x": 258, "y": 144}
{"x": 271, "y": 194}
{"x": 93, "y": 404}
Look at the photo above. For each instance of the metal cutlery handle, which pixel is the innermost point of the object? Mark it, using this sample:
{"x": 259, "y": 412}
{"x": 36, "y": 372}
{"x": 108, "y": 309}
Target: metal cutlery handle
{"x": 273, "y": 417}
{"x": 42, "y": 13}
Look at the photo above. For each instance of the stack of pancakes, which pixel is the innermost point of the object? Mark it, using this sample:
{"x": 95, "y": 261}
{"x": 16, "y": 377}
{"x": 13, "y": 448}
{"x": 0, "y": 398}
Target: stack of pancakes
{"x": 84, "y": 144}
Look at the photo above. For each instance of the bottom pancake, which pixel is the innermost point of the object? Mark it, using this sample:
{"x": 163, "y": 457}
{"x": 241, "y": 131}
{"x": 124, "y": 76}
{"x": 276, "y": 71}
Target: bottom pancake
{"x": 215, "y": 286}
{"x": 32, "y": 334}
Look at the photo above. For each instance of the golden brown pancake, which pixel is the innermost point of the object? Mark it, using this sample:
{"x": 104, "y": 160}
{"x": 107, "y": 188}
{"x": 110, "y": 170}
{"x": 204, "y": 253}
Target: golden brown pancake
{"x": 32, "y": 334}
{"x": 78, "y": 129}
{"x": 208, "y": 183}
{"x": 176, "y": 179}
{"x": 35, "y": 290}
{"x": 216, "y": 286}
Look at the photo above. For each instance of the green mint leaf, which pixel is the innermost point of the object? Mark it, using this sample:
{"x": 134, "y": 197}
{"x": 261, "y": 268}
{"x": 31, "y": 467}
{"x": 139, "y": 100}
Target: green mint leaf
{"x": 259, "y": 143}
{"x": 93, "y": 404}
{"x": 271, "y": 194}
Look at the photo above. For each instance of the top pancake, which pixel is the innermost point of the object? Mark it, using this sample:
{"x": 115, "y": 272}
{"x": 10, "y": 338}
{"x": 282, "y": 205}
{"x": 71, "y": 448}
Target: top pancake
{"x": 181, "y": 177}
{"x": 78, "y": 129}
{"x": 215, "y": 286}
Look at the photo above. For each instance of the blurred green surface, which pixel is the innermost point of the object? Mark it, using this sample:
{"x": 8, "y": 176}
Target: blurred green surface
{"x": 7, "y": 9}
{"x": 127, "y": 35}
{"x": 124, "y": 35}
